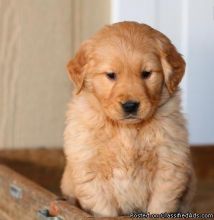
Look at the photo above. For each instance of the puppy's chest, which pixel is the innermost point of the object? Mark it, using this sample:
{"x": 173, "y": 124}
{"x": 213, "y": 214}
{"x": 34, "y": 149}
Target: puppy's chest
{"x": 128, "y": 165}
{"x": 125, "y": 165}
{"x": 126, "y": 156}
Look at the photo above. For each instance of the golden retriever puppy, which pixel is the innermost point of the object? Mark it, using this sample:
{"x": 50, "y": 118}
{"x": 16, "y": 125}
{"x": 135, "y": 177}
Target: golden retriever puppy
{"x": 126, "y": 142}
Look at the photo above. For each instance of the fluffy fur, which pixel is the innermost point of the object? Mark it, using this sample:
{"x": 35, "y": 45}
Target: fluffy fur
{"x": 116, "y": 163}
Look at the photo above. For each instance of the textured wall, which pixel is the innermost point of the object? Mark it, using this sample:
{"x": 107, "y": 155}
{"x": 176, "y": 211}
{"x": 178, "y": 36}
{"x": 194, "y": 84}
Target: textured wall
{"x": 37, "y": 38}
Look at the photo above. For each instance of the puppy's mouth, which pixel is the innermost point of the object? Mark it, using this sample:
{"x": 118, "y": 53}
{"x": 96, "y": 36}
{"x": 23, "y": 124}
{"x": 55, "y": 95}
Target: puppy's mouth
{"x": 130, "y": 119}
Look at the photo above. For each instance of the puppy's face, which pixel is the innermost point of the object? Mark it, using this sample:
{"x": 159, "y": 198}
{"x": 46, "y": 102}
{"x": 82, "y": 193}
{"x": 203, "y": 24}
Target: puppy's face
{"x": 126, "y": 81}
{"x": 130, "y": 68}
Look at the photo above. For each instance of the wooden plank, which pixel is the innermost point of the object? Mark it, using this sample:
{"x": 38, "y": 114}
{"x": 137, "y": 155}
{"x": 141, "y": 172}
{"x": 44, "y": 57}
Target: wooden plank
{"x": 25, "y": 197}
{"x": 22, "y": 199}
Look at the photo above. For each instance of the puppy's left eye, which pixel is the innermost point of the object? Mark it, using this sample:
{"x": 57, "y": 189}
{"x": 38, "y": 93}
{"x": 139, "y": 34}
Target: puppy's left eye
{"x": 146, "y": 74}
{"x": 111, "y": 75}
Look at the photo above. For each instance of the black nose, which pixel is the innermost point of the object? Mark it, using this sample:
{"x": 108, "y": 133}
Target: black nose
{"x": 130, "y": 106}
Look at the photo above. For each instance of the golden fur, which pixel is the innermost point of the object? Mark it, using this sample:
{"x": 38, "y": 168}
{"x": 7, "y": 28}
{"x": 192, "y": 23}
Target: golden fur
{"x": 115, "y": 164}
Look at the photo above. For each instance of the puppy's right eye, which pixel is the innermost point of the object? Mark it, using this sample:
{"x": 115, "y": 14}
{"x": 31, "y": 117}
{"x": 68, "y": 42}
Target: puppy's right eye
{"x": 146, "y": 74}
{"x": 111, "y": 75}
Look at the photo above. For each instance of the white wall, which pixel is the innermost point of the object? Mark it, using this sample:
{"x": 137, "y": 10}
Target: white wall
{"x": 190, "y": 26}
{"x": 201, "y": 71}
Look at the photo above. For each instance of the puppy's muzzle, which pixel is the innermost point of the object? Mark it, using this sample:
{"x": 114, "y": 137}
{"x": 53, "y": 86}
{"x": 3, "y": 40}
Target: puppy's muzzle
{"x": 130, "y": 107}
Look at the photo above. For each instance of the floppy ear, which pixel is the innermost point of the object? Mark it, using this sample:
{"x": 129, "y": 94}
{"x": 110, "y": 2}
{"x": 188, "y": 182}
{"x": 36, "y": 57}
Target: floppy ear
{"x": 173, "y": 66}
{"x": 76, "y": 70}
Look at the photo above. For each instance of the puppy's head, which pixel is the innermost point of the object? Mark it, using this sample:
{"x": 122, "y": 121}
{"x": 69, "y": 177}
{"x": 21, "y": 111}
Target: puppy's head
{"x": 129, "y": 68}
